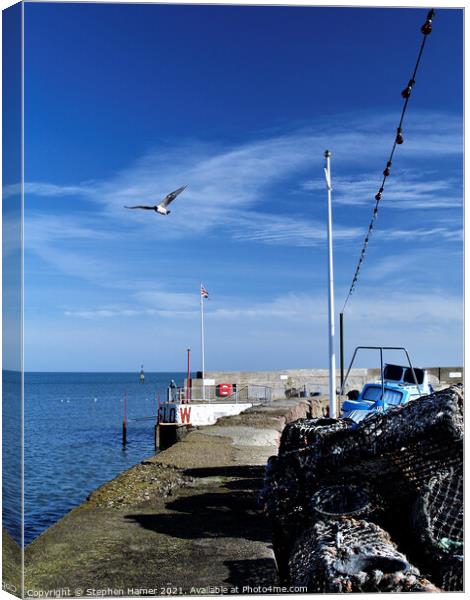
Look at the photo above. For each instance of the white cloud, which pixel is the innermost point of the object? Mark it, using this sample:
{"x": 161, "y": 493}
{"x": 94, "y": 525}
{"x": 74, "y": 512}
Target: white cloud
{"x": 290, "y": 230}
{"x": 403, "y": 192}
{"x": 168, "y": 301}
{"x": 233, "y": 188}
{"x": 50, "y": 190}
{"x": 103, "y": 313}
{"x": 249, "y": 192}
{"x": 376, "y": 303}
{"x": 234, "y": 192}
{"x": 445, "y": 233}
{"x": 45, "y": 228}
{"x": 418, "y": 308}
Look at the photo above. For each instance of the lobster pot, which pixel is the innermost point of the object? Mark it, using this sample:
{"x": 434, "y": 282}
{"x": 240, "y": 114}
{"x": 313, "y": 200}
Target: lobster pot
{"x": 450, "y": 576}
{"x": 438, "y": 520}
{"x": 400, "y": 469}
{"x": 437, "y": 419}
{"x": 305, "y": 432}
{"x": 287, "y": 487}
{"x": 283, "y": 490}
{"x": 342, "y": 500}
{"x": 409, "y": 443}
{"x": 349, "y": 555}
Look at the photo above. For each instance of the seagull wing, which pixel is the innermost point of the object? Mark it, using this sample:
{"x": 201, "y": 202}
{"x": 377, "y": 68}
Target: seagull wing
{"x": 171, "y": 196}
{"x": 140, "y": 206}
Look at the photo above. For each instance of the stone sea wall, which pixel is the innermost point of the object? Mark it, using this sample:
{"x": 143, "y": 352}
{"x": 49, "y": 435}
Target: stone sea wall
{"x": 316, "y": 380}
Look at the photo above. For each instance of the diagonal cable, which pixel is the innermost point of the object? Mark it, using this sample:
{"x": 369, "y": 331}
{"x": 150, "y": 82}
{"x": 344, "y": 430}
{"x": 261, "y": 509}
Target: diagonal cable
{"x": 406, "y": 93}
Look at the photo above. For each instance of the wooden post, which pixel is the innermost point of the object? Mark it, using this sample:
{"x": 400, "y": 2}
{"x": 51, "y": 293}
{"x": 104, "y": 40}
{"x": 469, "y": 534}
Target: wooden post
{"x": 124, "y": 422}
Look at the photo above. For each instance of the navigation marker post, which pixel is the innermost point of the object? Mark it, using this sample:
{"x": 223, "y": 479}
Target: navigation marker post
{"x": 157, "y": 423}
{"x": 331, "y": 307}
{"x": 124, "y": 422}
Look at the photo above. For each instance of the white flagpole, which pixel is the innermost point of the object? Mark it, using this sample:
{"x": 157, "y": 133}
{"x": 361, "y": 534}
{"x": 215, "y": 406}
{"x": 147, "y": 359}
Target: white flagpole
{"x": 331, "y": 307}
{"x": 202, "y": 343}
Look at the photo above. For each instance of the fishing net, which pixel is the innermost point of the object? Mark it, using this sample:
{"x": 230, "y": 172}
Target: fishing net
{"x": 438, "y": 521}
{"x": 439, "y": 512}
{"x": 282, "y": 494}
{"x": 401, "y": 469}
{"x": 450, "y": 574}
{"x": 437, "y": 418}
{"x": 305, "y": 432}
{"x": 349, "y": 555}
{"x": 342, "y": 500}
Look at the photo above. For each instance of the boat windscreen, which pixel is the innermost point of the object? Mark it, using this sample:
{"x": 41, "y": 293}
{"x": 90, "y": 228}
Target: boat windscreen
{"x": 374, "y": 393}
{"x": 393, "y": 372}
{"x": 408, "y": 378}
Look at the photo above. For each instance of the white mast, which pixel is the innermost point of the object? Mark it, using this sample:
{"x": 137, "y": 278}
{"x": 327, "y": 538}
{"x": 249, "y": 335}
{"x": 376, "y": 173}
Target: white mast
{"x": 331, "y": 307}
{"x": 202, "y": 342}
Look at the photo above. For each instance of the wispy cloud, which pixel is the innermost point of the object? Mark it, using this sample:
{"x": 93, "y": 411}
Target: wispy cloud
{"x": 295, "y": 231}
{"x": 246, "y": 193}
{"x": 50, "y": 190}
{"x": 104, "y": 313}
{"x": 411, "y": 190}
{"x": 228, "y": 185}
{"x": 375, "y": 305}
{"x": 433, "y": 233}
{"x": 439, "y": 307}
{"x": 161, "y": 300}
{"x": 41, "y": 228}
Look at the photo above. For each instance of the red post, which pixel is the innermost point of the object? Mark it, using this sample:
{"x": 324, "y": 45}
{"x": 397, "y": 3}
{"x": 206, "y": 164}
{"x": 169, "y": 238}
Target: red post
{"x": 188, "y": 379}
{"x": 124, "y": 422}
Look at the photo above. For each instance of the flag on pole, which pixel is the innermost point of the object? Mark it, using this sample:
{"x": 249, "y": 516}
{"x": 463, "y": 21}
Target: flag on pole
{"x": 204, "y": 292}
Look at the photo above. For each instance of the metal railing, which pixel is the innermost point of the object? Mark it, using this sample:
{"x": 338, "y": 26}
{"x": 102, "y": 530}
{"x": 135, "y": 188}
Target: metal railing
{"x": 184, "y": 394}
{"x": 248, "y": 393}
{"x": 252, "y": 392}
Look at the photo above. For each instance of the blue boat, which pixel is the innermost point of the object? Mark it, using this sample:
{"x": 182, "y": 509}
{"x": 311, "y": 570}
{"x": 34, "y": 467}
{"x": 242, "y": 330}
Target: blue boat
{"x": 398, "y": 385}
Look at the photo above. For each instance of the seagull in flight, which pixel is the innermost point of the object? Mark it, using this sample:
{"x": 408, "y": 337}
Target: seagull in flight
{"x": 161, "y": 208}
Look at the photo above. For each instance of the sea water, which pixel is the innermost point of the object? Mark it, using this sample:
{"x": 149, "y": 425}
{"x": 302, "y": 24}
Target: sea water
{"x": 73, "y": 437}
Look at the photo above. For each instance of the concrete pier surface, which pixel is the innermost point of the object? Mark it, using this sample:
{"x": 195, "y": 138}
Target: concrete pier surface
{"x": 185, "y": 521}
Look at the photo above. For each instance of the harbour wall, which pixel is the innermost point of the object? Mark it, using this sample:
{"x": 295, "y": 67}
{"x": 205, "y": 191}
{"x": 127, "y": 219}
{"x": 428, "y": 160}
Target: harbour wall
{"x": 315, "y": 381}
{"x": 186, "y": 521}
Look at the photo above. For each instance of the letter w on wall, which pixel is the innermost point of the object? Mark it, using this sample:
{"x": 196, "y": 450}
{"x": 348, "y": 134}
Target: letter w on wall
{"x": 185, "y": 414}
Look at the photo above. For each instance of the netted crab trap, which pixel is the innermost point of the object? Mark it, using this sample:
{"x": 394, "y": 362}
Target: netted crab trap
{"x": 438, "y": 520}
{"x": 349, "y": 555}
{"x": 400, "y": 470}
{"x": 342, "y": 500}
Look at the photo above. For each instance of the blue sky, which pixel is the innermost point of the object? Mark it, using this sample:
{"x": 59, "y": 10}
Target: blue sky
{"x": 126, "y": 103}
